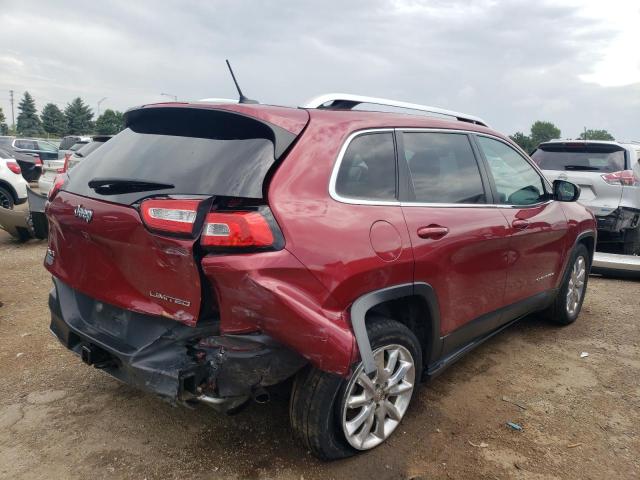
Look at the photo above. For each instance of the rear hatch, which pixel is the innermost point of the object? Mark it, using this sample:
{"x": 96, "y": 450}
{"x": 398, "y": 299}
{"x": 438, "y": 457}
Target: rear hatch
{"x": 586, "y": 165}
{"x": 125, "y": 228}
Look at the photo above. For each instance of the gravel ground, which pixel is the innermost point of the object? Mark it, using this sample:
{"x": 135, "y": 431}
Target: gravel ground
{"x": 581, "y": 416}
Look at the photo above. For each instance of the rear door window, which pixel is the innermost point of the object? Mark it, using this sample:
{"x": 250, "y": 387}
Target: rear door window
{"x": 443, "y": 168}
{"x": 517, "y": 182}
{"x": 368, "y": 168}
{"x": 579, "y": 156}
{"x": 46, "y": 147}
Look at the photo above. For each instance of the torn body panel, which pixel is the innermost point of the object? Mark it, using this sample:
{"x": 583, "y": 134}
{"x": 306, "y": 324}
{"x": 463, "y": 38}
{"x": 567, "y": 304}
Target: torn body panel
{"x": 272, "y": 292}
{"x": 161, "y": 356}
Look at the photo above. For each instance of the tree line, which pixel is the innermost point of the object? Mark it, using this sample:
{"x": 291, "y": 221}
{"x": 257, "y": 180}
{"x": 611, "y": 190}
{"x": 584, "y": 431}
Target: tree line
{"x": 544, "y": 131}
{"x": 76, "y": 119}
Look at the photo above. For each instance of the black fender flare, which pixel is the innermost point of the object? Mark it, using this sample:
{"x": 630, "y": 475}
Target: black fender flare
{"x": 363, "y": 304}
{"x": 581, "y": 236}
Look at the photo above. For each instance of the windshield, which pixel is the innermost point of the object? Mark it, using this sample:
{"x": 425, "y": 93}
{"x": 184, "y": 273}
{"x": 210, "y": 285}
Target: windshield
{"x": 585, "y": 157}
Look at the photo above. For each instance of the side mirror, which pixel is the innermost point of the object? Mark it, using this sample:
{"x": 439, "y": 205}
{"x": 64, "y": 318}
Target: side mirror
{"x": 564, "y": 191}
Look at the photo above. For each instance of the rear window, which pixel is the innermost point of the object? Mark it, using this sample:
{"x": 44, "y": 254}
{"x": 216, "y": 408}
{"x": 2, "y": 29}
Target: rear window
{"x": 77, "y": 146}
{"x": 68, "y": 142}
{"x": 200, "y": 152}
{"x": 26, "y": 144}
{"x": 87, "y": 148}
{"x": 581, "y": 157}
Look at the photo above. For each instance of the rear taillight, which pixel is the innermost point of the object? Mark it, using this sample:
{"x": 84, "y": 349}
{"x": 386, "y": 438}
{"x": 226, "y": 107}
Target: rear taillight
{"x": 237, "y": 229}
{"x": 57, "y": 185}
{"x": 38, "y": 161}
{"x": 14, "y": 167}
{"x": 623, "y": 177}
{"x": 170, "y": 216}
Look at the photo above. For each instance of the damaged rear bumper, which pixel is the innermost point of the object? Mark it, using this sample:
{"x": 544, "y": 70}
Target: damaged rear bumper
{"x": 162, "y": 356}
{"x": 617, "y": 222}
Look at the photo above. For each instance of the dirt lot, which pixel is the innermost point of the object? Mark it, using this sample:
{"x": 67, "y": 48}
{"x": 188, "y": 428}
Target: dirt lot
{"x": 581, "y": 416}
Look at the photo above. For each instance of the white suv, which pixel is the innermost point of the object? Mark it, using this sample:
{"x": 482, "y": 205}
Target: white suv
{"x": 608, "y": 174}
{"x": 13, "y": 188}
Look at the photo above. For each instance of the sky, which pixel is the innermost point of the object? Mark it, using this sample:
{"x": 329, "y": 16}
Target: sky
{"x": 511, "y": 62}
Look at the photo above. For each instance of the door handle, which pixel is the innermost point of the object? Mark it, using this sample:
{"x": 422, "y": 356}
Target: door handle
{"x": 433, "y": 231}
{"x": 520, "y": 224}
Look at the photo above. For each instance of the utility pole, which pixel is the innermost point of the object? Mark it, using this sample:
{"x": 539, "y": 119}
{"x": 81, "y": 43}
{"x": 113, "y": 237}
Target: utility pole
{"x": 13, "y": 117}
{"x": 99, "y": 102}
{"x": 175, "y": 97}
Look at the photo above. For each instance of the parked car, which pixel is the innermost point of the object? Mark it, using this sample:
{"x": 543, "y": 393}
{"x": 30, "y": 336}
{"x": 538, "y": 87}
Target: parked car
{"x": 13, "y": 187}
{"x": 31, "y": 146}
{"x": 51, "y": 168}
{"x": 608, "y": 174}
{"x": 38, "y": 150}
{"x": 209, "y": 251}
{"x": 31, "y": 166}
{"x": 72, "y": 143}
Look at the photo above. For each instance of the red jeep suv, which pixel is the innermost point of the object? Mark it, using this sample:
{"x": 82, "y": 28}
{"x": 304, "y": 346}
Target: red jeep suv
{"x": 209, "y": 251}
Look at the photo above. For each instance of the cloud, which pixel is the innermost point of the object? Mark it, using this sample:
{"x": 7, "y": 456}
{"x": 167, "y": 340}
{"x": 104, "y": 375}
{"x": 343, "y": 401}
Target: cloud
{"x": 509, "y": 62}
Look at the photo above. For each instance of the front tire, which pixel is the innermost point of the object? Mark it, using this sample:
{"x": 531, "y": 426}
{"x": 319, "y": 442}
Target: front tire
{"x": 335, "y": 417}
{"x": 568, "y": 303}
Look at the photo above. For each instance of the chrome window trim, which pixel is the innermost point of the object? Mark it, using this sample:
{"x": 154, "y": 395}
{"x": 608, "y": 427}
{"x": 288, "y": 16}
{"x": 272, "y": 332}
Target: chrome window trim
{"x": 336, "y": 168}
{"x": 396, "y": 203}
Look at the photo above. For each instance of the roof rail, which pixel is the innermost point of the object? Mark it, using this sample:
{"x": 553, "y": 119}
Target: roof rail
{"x": 218, "y": 100}
{"x": 346, "y": 101}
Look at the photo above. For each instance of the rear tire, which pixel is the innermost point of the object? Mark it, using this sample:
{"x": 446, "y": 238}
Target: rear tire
{"x": 318, "y": 410}
{"x": 568, "y": 303}
{"x": 6, "y": 199}
{"x": 631, "y": 245}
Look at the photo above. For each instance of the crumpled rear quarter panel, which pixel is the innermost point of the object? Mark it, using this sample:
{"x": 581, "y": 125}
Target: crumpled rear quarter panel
{"x": 274, "y": 293}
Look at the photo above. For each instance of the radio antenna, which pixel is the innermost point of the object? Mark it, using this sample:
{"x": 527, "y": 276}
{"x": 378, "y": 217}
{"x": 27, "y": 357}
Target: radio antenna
{"x": 242, "y": 98}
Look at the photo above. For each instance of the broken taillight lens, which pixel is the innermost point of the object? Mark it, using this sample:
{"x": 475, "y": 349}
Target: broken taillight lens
{"x": 623, "y": 177}
{"x": 169, "y": 215}
{"x": 238, "y": 229}
{"x": 14, "y": 167}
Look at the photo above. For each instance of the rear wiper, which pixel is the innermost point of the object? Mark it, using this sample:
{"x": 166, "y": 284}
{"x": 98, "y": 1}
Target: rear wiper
{"x": 114, "y": 186}
{"x": 581, "y": 167}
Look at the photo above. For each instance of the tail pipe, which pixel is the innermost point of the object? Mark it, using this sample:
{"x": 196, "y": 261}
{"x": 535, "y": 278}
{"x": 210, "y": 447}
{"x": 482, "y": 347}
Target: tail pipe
{"x": 260, "y": 395}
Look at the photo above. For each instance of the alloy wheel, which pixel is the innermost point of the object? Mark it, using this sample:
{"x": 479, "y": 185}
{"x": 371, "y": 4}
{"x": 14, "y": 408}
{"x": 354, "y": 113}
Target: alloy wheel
{"x": 575, "y": 289}
{"x": 374, "y": 406}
